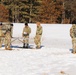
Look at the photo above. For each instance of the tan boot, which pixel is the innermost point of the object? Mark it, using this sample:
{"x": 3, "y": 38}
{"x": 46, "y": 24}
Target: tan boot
{"x": 0, "y": 45}
{"x": 6, "y": 48}
{"x": 37, "y": 47}
{"x": 9, "y": 48}
{"x": 74, "y": 52}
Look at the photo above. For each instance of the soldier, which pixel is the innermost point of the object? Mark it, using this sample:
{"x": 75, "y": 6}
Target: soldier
{"x": 73, "y": 35}
{"x": 0, "y": 35}
{"x": 25, "y": 34}
{"x": 11, "y": 28}
{"x": 8, "y": 40}
{"x": 37, "y": 38}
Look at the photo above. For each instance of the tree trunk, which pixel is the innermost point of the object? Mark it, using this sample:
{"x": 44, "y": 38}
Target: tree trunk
{"x": 63, "y": 14}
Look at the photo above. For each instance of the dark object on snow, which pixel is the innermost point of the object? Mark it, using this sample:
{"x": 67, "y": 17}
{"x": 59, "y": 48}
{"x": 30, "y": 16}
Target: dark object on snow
{"x": 25, "y": 45}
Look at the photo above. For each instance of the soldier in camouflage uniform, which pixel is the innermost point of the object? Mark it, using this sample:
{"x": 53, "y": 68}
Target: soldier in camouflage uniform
{"x": 73, "y": 35}
{"x": 37, "y": 38}
{"x": 25, "y": 34}
{"x": 0, "y": 35}
{"x": 11, "y": 28}
{"x": 8, "y": 40}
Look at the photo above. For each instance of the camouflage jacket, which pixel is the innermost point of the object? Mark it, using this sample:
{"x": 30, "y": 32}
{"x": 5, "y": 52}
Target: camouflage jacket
{"x": 39, "y": 30}
{"x": 8, "y": 35}
{"x": 27, "y": 30}
{"x": 1, "y": 33}
{"x": 73, "y": 31}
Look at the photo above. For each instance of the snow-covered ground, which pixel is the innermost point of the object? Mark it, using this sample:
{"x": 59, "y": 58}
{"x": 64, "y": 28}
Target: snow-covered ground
{"x": 54, "y": 58}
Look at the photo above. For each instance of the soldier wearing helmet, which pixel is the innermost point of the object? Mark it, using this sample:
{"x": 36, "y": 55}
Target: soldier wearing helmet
{"x": 8, "y": 40}
{"x": 0, "y": 35}
{"x": 37, "y": 38}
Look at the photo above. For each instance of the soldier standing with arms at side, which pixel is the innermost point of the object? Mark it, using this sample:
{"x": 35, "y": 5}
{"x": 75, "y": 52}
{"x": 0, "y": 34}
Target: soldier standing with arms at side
{"x": 25, "y": 34}
{"x": 73, "y": 35}
{"x": 37, "y": 38}
{"x": 8, "y": 40}
{"x": 11, "y": 28}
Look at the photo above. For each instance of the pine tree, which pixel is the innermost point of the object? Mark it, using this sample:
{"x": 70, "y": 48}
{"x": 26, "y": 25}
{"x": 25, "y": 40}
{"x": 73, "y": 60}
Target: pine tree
{"x": 51, "y": 11}
{"x": 70, "y": 9}
{"x": 22, "y": 10}
{"x": 16, "y": 9}
{"x": 33, "y": 9}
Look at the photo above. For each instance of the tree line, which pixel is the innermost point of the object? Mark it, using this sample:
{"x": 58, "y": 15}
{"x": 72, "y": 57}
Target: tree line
{"x": 45, "y": 11}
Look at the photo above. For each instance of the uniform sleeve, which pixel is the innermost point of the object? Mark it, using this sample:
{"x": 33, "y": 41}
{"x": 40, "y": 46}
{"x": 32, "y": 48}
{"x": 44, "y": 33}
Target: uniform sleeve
{"x": 71, "y": 32}
{"x": 29, "y": 30}
{"x": 40, "y": 31}
{"x": 1, "y": 33}
{"x": 23, "y": 32}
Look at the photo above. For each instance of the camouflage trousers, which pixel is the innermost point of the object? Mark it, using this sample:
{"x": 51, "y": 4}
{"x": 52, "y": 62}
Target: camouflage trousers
{"x": 1, "y": 41}
{"x": 26, "y": 39}
{"x": 37, "y": 40}
{"x": 7, "y": 43}
{"x": 74, "y": 45}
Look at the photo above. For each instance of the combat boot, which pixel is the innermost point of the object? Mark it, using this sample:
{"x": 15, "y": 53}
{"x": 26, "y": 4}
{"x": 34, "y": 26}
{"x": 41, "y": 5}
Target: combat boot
{"x": 27, "y": 46}
{"x": 6, "y": 48}
{"x": 9, "y": 48}
{"x": 37, "y": 47}
{"x": 23, "y": 45}
{"x": 74, "y": 51}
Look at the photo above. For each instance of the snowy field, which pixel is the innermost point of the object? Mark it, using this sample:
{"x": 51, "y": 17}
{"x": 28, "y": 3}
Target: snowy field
{"x": 54, "y": 58}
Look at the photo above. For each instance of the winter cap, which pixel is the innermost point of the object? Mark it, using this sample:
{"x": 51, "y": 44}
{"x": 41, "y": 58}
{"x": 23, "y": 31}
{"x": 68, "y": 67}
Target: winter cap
{"x": 11, "y": 24}
{"x": 26, "y": 24}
